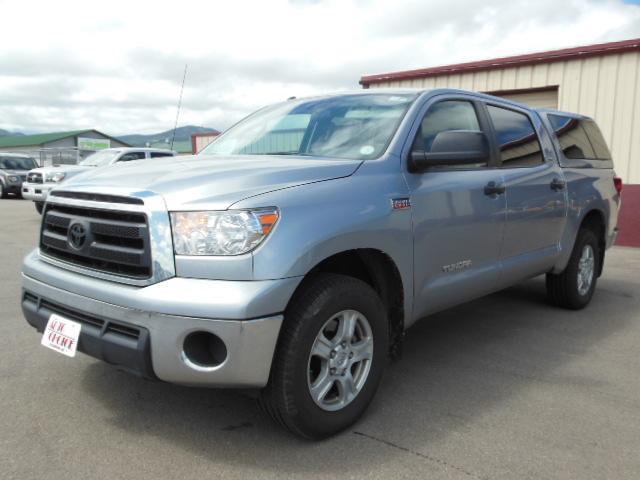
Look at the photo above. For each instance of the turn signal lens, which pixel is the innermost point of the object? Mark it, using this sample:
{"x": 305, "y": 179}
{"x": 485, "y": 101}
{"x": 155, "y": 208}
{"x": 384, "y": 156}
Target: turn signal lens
{"x": 267, "y": 221}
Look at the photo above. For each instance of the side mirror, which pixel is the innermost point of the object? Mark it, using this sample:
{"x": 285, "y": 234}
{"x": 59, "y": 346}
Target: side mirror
{"x": 452, "y": 148}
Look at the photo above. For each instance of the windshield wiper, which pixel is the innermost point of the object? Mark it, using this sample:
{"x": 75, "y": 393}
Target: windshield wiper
{"x": 280, "y": 153}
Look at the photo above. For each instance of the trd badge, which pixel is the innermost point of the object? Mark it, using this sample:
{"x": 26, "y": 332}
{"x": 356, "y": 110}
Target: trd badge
{"x": 401, "y": 203}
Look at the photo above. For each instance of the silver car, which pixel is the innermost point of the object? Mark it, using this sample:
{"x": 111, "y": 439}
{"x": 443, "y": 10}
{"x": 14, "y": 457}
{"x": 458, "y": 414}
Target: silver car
{"x": 13, "y": 171}
{"x": 40, "y": 180}
{"x": 294, "y": 253}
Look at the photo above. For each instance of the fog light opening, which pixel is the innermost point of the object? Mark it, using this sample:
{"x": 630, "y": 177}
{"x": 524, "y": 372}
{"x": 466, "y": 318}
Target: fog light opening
{"x": 204, "y": 349}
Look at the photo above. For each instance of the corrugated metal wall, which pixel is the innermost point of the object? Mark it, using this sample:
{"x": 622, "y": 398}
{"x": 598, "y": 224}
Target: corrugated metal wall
{"x": 606, "y": 88}
{"x": 202, "y": 141}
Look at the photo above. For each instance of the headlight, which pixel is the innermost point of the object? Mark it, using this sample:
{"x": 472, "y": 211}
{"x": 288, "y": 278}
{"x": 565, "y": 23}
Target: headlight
{"x": 55, "y": 177}
{"x": 14, "y": 179}
{"x": 231, "y": 232}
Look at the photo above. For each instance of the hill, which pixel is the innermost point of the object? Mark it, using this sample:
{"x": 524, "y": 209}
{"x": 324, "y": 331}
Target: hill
{"x": 6, "y": 133}
{"x": 182, "y": 134}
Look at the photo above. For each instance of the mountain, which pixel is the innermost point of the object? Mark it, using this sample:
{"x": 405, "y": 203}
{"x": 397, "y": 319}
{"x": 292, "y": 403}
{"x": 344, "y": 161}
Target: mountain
{"x": 182, "y": 134}
{"x": 6, "y": 133}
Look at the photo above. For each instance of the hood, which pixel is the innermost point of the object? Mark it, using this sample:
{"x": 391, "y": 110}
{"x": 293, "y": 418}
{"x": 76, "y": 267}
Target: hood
{"x": 14, "y": 172}
{"x": 68, "y": 169}
{"x": 213, "y": 182}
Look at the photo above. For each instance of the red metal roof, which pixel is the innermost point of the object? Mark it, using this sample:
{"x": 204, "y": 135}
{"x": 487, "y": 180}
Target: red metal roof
{"x": 504, "y": 62}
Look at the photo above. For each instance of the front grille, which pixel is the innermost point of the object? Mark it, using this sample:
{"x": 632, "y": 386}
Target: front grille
{"x": 97, "y": 197}
{"x": 34, "y": 178}
{"x": 114, "y": 242}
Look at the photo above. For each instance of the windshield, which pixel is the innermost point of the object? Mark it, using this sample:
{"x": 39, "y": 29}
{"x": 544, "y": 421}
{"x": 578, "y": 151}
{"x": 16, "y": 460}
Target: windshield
{"x": 348, "y": 126}
{"x": 17, "y": 163}
{"x": 100, "y": 159}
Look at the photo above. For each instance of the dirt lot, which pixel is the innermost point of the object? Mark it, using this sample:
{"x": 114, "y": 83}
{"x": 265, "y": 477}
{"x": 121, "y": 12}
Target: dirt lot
{"x": 506, "y": 387}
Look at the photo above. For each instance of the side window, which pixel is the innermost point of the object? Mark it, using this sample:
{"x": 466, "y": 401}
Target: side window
{"x": 579, "y": 139}
{"x": 446, "y": 116}
{"x": 517, "y": 139}
{"x": 596, "y": 139}
{"x": 161, "y": 154}
{"x": 127, "y": 157}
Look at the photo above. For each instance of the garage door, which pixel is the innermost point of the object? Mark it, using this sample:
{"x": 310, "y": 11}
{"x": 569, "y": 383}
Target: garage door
{"x": 534, "y": 98}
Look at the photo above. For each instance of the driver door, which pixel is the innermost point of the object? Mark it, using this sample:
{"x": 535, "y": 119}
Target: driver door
{"x": 458, "y": 213}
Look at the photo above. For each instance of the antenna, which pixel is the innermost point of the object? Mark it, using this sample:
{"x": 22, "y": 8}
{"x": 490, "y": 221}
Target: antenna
{"x": 184, "y": 76}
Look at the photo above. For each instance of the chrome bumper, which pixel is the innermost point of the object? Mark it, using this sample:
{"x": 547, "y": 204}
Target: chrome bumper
{"x": 35, "y": 191}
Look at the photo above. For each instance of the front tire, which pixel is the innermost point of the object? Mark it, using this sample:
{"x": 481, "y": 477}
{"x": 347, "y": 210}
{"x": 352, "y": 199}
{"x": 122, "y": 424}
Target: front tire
{"x": 330, "y": 357}
{"x": 39, "y": 207}
{"x": 3, "y": 192}
{"x": 574, "y": 287}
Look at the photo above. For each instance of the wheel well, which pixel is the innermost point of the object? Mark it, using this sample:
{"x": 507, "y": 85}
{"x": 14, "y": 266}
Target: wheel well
{"x": 594, "y": 221}
{"x": 379, "y": 271}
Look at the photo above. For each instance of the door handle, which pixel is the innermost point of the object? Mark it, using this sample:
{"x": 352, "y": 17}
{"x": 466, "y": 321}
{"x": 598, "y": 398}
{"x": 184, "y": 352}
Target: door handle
{"x": 492, "y": 189}
{"x": 557, "y": 184}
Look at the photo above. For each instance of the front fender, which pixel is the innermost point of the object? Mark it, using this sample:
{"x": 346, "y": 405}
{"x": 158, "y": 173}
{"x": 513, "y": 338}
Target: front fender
{"x": 325, "y": 218}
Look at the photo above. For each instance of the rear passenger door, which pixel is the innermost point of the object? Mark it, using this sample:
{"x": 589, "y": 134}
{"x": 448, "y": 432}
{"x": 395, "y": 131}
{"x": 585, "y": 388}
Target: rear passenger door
{"x": 535, "y": 193}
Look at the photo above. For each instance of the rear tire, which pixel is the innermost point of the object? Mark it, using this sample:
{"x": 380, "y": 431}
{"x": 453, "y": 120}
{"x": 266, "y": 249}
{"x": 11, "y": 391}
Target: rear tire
{"x": 574, "y": 287}
{"x": 39, "y": 207}
{"x": 329, "y": 359}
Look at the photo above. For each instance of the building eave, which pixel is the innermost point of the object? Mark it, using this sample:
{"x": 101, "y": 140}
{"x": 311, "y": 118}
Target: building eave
{"x": 506, "y": 62}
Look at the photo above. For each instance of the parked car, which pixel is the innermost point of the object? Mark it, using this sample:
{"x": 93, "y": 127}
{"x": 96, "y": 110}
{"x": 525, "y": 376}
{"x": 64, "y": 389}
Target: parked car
{"x": 293, "y": 255}
{"x": 13, "y": 171}
{"x": 40, "y": 180}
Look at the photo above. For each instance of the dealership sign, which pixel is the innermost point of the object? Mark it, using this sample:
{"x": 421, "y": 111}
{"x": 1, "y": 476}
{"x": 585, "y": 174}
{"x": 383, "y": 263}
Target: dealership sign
{"x": 93, "y": 143}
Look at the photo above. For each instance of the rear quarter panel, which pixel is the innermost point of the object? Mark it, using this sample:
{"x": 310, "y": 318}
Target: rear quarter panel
{"x": 589, "y": 187}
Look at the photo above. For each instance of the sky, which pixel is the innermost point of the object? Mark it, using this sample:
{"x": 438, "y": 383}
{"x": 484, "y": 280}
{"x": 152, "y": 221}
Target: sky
{"x": 117, "y": 66}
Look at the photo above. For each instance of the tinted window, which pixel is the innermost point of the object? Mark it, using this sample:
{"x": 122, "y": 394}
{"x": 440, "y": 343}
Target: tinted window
{"x": 17, "y": 163}
{"x": 579, "y": 139}
{"x": 518, "y": 141}
{"x": 443, "y": 117}
{"x": 127, "y": 157}
{"x": 446, "y": 116}
{"x": 161, "y": 154}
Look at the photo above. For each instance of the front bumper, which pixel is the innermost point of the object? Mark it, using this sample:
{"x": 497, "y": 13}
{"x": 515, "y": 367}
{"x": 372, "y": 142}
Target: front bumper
{"x": 35, "y": 191}
{"x": 164, "y": 314}
{"x": 13, "y": 187}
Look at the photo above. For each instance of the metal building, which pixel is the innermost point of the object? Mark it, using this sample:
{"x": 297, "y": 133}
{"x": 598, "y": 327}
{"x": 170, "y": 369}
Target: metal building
{"x": 601, "y": 81}
{"x": 60, "y": 147}
{"x": 201, "y": 140}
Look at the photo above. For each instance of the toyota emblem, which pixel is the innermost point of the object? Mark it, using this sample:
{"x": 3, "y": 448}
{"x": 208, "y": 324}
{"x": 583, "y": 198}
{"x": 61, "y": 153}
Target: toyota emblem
{"x": 77, "y": 236}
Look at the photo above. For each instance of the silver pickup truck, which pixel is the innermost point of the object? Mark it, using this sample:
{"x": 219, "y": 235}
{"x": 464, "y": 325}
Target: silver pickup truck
{"x": 291, "y": 256}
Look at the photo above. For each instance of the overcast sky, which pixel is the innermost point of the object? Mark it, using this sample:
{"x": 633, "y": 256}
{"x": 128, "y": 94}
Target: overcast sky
{"x": 117, "y": 65}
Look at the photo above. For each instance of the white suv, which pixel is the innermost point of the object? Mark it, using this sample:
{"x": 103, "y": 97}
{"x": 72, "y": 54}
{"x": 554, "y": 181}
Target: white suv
{"x": 41, "y": 180}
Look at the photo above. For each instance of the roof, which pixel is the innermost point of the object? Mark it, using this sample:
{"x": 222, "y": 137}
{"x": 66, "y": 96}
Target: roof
{"x": 16, "y": 155}
{"x": 135, "y": 149}
{"x": 42, "y": 138}
{"x": 504, "y": 62}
